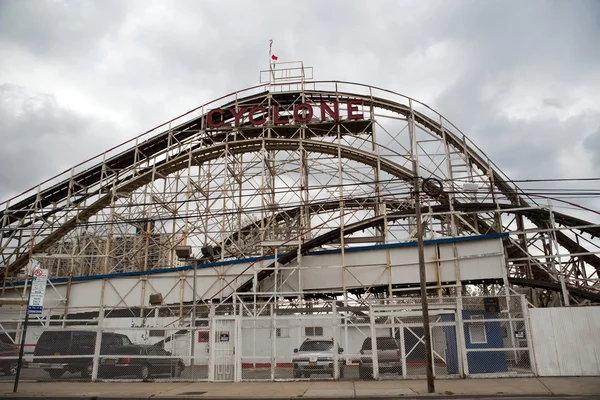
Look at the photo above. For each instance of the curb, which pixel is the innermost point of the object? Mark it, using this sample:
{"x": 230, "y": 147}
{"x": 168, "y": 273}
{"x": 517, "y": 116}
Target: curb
{"x": 382, "y": 397}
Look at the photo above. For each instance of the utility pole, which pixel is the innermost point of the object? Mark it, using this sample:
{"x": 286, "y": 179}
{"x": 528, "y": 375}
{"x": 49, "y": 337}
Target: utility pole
{"x": 422, "y": 272}
{"x": 423, "y": 279}
{"x": 23, "y": 336}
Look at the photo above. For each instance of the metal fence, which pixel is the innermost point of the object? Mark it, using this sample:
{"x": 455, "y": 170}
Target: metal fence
{"x": 322, "y": 340}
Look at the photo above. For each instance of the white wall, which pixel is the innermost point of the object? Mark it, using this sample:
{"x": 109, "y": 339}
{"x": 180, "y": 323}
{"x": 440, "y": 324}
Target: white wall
{"x": 565, "y": 341}
{"x": 477, "y": 259}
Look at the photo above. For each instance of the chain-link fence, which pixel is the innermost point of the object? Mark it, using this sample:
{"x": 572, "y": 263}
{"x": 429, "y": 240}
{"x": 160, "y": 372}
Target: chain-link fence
{"x": 496, "y": 342}
{"x": 378, "y": 339}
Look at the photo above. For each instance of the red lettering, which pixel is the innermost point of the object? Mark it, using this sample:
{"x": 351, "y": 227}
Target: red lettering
{"x": 335, "y": 113}
{"x": 298, "y": 115}
{"x": 253, "y": 111}
{"x": 209, "y": 118}
{"x": 277, "y": 119}
{"x": 352, "y": 107}
{"x": 237, "y": 115}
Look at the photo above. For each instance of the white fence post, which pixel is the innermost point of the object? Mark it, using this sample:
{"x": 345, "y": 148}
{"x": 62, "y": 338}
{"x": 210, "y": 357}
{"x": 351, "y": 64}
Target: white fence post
{"x": 99, "y": 329}
{"x": 526, "y": 324}
{"x": 273, "y": 335}
{"x": 211, "y": 344}
{"x": 374, "y": 358}
{"x": 461, "y": 339}
{"x": 336, "y": 367}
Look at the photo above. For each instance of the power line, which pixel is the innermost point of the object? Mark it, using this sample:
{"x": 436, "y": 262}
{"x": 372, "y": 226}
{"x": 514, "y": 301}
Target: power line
{"x": 534, "y": 180}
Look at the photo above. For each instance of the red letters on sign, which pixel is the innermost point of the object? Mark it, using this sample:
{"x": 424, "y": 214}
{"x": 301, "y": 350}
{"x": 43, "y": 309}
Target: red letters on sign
{"x": 335, "y": 113}
{"x": 303, "y": 112}
{"x": 298, "y": 115}
{"x": 209, "y": 118}
{"x": 259, "y": 121}
{"x": 352, "y": 108}
{"x": 277, "y": 120}
{"x": 237, "y": 115}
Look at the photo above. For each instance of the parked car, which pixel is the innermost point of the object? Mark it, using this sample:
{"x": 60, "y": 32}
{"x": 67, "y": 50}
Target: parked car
{"x": 9, "y": 365}
{"x": 316, "y": 357}
{"x": 72, "y": 343}
{"x": 140, "y": 360}
{"x": 389, "y": 357}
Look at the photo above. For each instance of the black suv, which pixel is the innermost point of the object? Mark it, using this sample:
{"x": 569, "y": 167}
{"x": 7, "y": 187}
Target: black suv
{"x": 72, "y": 343}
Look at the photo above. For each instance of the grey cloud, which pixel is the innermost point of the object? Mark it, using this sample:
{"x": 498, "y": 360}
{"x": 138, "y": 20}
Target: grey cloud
{"x": 592, "y": 146}
{"x": 163, "y": 56}
{"x": 60, "y": 28}
{"x": 522, "y": 148}
{"x": 40, "y": 139}
{"x": 550, "y": 36}
{"x": 556, "y": 103}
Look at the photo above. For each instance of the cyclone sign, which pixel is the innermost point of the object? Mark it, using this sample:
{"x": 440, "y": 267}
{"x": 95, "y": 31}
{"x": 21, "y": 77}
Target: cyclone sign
{"x": 38, "y": 289}
{"x": 302, "y": 113}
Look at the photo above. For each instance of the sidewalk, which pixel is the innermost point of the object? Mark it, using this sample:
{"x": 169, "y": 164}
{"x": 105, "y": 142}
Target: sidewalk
{"x": 571, "y": 386}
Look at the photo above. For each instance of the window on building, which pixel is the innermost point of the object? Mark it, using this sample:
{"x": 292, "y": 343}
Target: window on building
{"x": 313, "y": 331}
{"x": 157, "y": 333}
{"x": 477, "y": 330}
{"x": 281, "y": 332}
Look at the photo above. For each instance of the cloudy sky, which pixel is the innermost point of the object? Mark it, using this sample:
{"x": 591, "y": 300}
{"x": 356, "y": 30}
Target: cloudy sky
{"x": 520, "y": 78}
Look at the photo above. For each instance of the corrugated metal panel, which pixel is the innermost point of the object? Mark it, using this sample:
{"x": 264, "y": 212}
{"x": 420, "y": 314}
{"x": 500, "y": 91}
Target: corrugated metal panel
{"x": 565, "y": 341}
{"x": 566, "y": 329}
{"x": 585, "y": 341}
{"x": 593, "y": 318}
{"x": 543, "y": 342}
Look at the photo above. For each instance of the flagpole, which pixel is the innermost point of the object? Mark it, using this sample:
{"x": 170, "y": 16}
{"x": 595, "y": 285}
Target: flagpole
{"x": 270, "y": 60}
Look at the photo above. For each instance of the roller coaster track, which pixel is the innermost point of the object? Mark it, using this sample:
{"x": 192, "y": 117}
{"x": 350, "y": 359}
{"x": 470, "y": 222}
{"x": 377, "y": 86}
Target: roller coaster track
{"x": 335, "y": 234}
{"x": 134, "y": 167}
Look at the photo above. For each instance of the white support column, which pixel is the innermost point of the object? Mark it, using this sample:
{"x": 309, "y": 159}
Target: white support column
{"x": 273, "y": 342}
{"x": 239, "y": 345}
{"x": 374, "y": 358}
{"x": 561, "y": 276}
{"x": 461, "y": 345}
{"x": 526, "y": 323}
{"x": 403, "y": 350}
{"x": 211, "y": 344}
{"x": 509, "y": 314}
{"x": 99, "y": 329}
{"x": 335, "y": 327}
{"x": 345, "y": 331}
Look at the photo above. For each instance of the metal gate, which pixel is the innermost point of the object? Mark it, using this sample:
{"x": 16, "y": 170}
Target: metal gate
{"x": 223, "y": 343}
{"x": 407, "y": 328}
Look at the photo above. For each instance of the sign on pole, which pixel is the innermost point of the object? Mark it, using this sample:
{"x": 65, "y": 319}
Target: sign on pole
{"x": 38, "y": 289}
